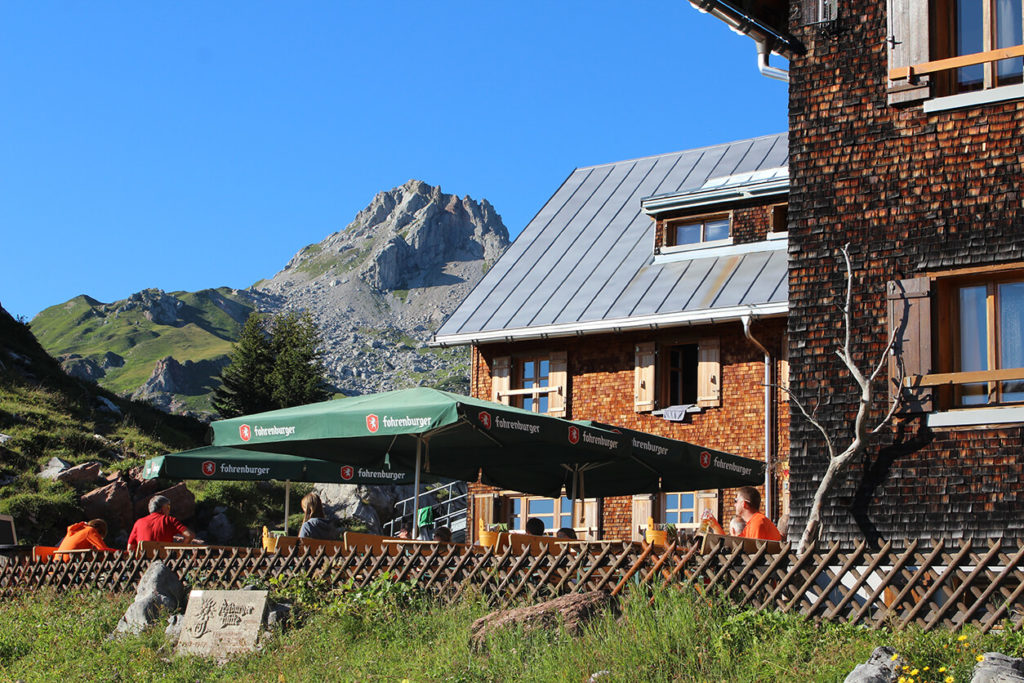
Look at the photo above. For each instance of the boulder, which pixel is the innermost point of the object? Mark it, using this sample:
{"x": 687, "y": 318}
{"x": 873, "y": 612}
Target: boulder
{"x": 111, "y": 502}
{"x": 571, "y": 611}
{"x": 996, "y": 667}
{"x": 183, "y": 503}
{"x": 880, "y": 667}
{"x": 108, "y": 406}
{"x": 80, "y": 475}
{"x": 159, "y": 591}
{"x": 54, "y": 466}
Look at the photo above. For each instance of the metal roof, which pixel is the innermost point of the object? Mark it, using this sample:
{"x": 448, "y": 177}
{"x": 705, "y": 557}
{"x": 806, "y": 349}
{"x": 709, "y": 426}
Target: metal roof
{"x": 586, "y": 263}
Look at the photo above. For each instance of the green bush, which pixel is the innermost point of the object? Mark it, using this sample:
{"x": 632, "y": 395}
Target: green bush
{"x": 42, "y": 518}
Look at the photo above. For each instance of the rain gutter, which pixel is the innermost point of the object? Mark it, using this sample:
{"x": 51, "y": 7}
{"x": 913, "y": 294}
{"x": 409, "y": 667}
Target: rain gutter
{"x": 769, "y": 443}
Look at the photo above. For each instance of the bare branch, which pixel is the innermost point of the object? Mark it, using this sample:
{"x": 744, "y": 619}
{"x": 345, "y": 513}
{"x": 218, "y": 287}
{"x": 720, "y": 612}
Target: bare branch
{"x": 817, "y": 425}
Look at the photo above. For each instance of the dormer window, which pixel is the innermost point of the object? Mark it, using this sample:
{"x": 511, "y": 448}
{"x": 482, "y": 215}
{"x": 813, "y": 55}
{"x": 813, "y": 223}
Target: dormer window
{"x": 706, "y": 230}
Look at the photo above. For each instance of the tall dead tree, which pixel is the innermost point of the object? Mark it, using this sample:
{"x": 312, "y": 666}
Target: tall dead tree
{"x": 838, "y": 459}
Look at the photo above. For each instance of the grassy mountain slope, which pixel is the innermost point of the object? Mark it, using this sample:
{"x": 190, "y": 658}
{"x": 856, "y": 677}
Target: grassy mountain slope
{"x": 44, "y": 413}
{"x": 202, "y": 327}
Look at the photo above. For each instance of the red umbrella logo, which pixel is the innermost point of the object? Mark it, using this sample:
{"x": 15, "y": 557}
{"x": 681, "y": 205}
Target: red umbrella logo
{"x": 574, "y": 435}
{"x": 245, "y": 432}
{"x": 705, "y": 459}
{"x": 347, "y": 472}
{"x": 372, "y": 423}
{"x": 485, "y": 419}
{"x": 209, "y": 468}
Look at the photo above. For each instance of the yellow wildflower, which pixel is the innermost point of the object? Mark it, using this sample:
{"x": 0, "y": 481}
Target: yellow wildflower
{"x": 926, "y": 668}
{"x": 942, "y": 669}
{"x": 903, "y": 679}
{"x": 894, "y": 657}
{"x": 961, "y": 638}
{"x": 949, "y": 679}
{"x": 914, "y": 672}
{"x": 980, "y": 657}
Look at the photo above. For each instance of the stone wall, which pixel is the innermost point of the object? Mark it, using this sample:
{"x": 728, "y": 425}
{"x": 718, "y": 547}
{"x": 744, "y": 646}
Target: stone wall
{"x": 911, "y": 193}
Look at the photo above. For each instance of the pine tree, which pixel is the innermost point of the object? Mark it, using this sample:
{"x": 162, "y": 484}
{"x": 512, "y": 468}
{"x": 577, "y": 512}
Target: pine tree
{"x": 276, "y": 363}
{"x": 299, "y": 375}
{"x": 245, "y": 382}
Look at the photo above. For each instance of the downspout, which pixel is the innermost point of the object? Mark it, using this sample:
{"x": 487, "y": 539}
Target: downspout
{"x": 769, "y": 450}
{"x": 771, "y": 72}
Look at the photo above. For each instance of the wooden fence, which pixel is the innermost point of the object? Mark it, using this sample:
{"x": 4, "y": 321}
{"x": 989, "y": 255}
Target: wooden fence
{"x": 943, "y": 585}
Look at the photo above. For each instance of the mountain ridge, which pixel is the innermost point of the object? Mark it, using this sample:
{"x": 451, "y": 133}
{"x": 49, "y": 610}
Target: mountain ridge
{"x": 377, "y": 289}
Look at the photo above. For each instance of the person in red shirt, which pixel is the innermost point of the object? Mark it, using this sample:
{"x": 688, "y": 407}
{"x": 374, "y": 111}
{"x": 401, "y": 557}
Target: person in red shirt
{"x": 85, "y": 535}
{"x": 756, "y": 525}
{"x": 158, "y": 525}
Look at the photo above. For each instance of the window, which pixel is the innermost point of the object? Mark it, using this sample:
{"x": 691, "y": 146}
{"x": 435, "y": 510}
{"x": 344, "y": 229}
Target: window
{"x": 675, "y": 374}
{"x": 555, "y": 513}
{"x": 988, "y": 336}
{"x": 978, "y": 355}
{"x": 680, "y": 509}
{"x": 960, "y": 30}
{"x": 924, "y": 35}
{"x": 689, "y": 231}
{"x": 538, "y": 382}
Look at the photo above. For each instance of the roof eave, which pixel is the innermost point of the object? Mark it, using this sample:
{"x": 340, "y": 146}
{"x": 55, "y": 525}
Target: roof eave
{"x": 741, "y": 21}
{"x": 653, "y": 206}
{"x": 647, "y": 322}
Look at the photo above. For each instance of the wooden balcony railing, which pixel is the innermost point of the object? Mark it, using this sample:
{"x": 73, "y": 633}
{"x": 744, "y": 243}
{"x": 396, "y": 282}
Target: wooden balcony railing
{"x": 953, "y": 378}
{"x": 910, "y": 73}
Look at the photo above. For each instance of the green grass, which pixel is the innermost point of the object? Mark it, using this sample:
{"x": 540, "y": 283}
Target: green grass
{"x": 210, "y": 321}
{"x": 388, "y": 633}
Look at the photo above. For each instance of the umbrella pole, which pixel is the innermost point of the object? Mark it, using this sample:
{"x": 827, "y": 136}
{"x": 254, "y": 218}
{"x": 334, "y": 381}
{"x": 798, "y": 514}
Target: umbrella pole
{"x": 287, "y": 501}
{"x": 575, "y": 479}
{"x": 416, "y": 492}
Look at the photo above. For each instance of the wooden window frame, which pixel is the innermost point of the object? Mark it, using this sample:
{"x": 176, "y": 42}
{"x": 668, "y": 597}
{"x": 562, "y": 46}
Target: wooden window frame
{"x": 581, "y": 510}
{"x": 669, "y": 226}
{"x": 948, "y": 377}
{"x": 507, "y": 381}
{"x": 943, "y": 21}
{"x": 652, "y": 371}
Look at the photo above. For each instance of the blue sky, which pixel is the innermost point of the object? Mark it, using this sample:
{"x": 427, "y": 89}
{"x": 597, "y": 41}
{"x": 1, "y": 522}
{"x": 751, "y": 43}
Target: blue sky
{"x": 186, "y": 145}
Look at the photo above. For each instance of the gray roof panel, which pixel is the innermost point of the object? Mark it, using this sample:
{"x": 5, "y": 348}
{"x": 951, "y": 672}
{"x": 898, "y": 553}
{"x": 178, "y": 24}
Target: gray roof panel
{"x": 588, "y": 255}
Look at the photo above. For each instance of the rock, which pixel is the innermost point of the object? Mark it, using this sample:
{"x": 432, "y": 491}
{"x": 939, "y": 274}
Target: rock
{"x": 571, "y": 611}
{"x": 108, "y": 406}
{"x": 220, "y": 530}
{"x": 4, "y": 438}
{"x": 880, "y": 667}
{"x": 112, "y": 502}
{"x": 82, "y": 368}
{"x": 998, "y": 668}
{"x": 54, "y": 466}
{"x": 173, "y": 630}
{"x": 80, "y": 475}
{"x": 278, "y": 614}
{"x": 159, "y": 591}
{"x": 183, "y": 503}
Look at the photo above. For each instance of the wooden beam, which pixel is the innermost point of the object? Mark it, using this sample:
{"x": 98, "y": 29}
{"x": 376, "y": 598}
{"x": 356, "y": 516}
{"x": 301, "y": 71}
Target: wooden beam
{"x": 946, "y": 378}
{"x": 909, "y": 72}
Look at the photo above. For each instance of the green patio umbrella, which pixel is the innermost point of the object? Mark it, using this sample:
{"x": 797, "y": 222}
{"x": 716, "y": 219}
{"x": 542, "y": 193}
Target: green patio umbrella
{"x": 215, "y": 462}
{"x": 427, "y": 430}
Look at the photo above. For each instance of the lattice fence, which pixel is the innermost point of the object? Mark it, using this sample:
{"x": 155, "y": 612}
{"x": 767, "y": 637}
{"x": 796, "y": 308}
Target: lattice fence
{"x": 940, "y": 586}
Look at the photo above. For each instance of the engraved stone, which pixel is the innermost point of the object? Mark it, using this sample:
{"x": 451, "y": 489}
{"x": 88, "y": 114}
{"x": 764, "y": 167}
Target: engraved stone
{"x": 221, "y": 623}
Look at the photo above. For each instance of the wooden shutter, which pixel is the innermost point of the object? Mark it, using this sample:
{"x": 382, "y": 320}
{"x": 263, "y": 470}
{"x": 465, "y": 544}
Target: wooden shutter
{"x": 910, "y": 314}
{"x": 709, "y": 374}
{"x": 591, "y": 515}
{"x": 483, "y": 512}
{"x": 907, "y": 44}
{"x": 558, "y": 376}
{"x": 643, "y": 510}
{"x": 501, "y": 379}
{"x": 643, "y": 378}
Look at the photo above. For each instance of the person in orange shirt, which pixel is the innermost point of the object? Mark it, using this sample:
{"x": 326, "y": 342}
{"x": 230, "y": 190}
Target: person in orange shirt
{"x": 85, "y": 535}
{"x": 756, "y": 525}
{"x": 748, "y": 513}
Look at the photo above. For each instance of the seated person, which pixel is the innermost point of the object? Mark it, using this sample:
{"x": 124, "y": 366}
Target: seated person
{"x": 566, "y": 532}
{"x": 736, "y": 526}
{"x": 443, "y": 534}
{"x": 534, "y": 526}
{"x": 314, "y": 524}
{"x": 85, "y": 535}
{"x": 755, "y": 524}
{"x": 158, "y": 525}
{"x": 405, "y": 532}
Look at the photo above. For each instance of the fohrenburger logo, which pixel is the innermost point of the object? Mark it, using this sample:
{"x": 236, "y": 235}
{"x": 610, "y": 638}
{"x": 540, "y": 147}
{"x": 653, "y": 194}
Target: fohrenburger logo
{"x": 245, "y": 432}
{"x": 574, "y": 435}
{"x": 705, "y": 459}
{"x": 372, "y": 423}
{"x": 347, "y": 472}
{"x": 485, "y": 419}
{"x": 209, "y": 468}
